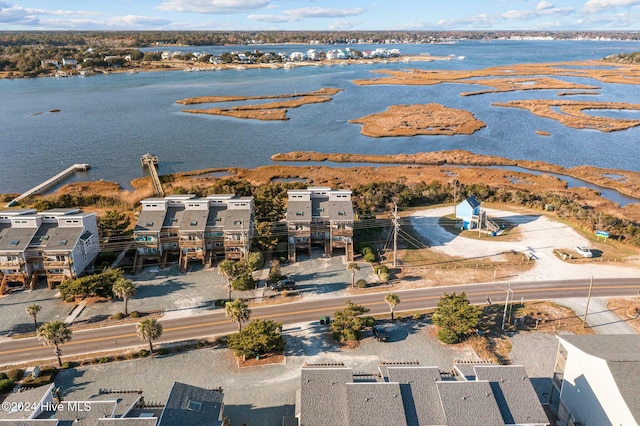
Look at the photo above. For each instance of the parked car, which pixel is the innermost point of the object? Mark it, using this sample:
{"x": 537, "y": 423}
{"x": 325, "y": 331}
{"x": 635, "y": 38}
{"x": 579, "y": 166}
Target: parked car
{"x": 381, "y": 334}
{"x": 286, "y": 284}
{"x": 583, "y": 251}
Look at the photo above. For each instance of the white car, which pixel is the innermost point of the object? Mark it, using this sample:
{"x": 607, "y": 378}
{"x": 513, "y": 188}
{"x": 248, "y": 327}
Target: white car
{"x": 583, "y": 251}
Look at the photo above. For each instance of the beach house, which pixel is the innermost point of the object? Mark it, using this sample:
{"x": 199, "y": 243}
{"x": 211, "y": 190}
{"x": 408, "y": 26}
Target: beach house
{"x": 56, "y": 244}
{"x": 320, "y": 216}
{"x": 189, "y": 228}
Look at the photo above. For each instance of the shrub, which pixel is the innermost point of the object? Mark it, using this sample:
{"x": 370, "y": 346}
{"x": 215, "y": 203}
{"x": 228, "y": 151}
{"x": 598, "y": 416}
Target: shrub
{"x": 118, "y": 316}
{"x": 143, "y": 353}
{"x": 134, "y": 314}
{"x": 162, "y": 351}
{"x": 244, "y": 282}
{"x": 68, "y": 364}
{"x": 219, "y": 303}
{"x": 448, "y": 336}
{"x": 381, "y": 269}
{"x": 369, "y": 257}
{"x": 416, "y": 316}
{"x": 104, "y": 360}
{"x": 3, "y": 376}
{"x": 15, "y": 374}
{"x": 6, "y": 385}
{"x": 256, "y": 260}
{"x": 384, "y": 277}
{"x": 366, "y": 250}
{"x": 361, "y": 283}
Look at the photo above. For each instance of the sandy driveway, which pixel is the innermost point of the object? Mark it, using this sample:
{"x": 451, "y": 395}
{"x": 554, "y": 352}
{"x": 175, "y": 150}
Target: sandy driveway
{"x": 540, "y": 236}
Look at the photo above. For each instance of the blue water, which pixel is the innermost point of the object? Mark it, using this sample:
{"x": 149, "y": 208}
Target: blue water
{"x": 109, "y": 121}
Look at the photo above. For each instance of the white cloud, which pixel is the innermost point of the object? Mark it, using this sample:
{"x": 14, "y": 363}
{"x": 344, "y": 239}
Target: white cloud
{"x": 412, "y": 26}
{"x": 342, "y": 24}
{"x": 544, "y": 5}
{"x": 295, "y": 15}
{"x": 212, "y": 6}
{"x": 592, "y": 6}
{"x": 480, "y": 21}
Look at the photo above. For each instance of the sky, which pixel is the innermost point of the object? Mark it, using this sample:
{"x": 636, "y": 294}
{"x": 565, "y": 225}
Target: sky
{"x": 320, "y": 15}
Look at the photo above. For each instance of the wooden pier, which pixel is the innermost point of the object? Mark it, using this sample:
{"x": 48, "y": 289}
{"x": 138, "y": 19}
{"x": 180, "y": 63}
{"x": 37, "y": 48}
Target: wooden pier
{"x": 151, "y": 162}
{"x": 44, "y": 186}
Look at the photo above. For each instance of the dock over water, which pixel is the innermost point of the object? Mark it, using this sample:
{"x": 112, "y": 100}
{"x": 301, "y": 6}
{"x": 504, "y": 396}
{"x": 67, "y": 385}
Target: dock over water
{"x": 151, "y": 161}
{"x": 47, "y": 184}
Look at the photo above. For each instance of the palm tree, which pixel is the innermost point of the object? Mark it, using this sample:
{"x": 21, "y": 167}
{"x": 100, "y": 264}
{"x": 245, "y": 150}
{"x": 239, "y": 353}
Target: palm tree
{"x": 392, "y": 299}
{"x": 33, "y": 311}
{"x": 353, "y": 267}
{"x": 124, "y": 289}
{"x": 227, "y": 269}
{"x": 54, "y": 333}
{"x": 149, "y": 330}
{"x": 237, "y": 311}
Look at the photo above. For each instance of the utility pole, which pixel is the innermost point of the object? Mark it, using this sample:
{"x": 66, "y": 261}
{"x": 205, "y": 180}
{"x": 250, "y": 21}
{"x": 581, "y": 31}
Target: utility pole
{"x": 506, "y": 305}
{"x": 395, "y": 235}
{"x": 586, "y": 309}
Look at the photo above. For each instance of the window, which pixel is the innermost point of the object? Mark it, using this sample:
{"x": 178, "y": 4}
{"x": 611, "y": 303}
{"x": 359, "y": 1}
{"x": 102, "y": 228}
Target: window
{"x": 299, "y": 213}
{"x": 341, "y": 213}
{"x": 149, "y": 224}
{"x": 14, "y": 242}
{"x": 193, "y": 223}
{"x": 218, "y": 219}
{"x": 237, "y": 222}
{"x": 63, "y": 242}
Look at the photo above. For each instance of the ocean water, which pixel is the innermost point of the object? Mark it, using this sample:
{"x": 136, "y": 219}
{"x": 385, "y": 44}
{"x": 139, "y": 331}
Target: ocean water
{"x": 110, "y": 121}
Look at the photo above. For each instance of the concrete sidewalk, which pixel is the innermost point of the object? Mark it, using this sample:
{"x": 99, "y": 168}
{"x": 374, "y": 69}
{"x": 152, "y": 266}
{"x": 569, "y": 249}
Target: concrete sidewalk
{"x": 601, "y": 319}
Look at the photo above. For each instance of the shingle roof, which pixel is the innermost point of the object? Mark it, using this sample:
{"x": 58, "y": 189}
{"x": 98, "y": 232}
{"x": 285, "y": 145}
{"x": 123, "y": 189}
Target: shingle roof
{"x": 419, "y": 394}
{"x": 374, "y": 403}
{"x": 150, "y": 221}
{"x": 76, "y": 413}
{"x": 627, "y": 377}
{"x": 16, "y": 239}
{"x": 29, "y": 396}
{"x": 125, "y": 401}
{"x": 173, "y": 216}
{"x": 609, "y": 347}
{"x": 469, "y": 403}
{"x": 323, "y": 396}
{"x": 294, "y": 207}
{"x": 514, "y": 393}
{"x": 128, "y": 421}
{"x": 58, "y": 238}
{"x": 192, "y": 406}
{"x": 193, "y": 220}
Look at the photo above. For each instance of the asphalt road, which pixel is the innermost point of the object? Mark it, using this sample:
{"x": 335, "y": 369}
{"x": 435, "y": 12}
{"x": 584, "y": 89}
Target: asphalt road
{"x": 106, "y": 339}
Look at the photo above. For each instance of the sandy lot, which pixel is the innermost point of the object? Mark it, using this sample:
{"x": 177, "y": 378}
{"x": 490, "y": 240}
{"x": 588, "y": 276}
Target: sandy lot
{"x": 539, "y": 237}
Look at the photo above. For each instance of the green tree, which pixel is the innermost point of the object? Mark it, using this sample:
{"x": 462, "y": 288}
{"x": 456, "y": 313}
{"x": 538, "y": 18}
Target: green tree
{"x": 227, "y": 268}
{"x": 255, "y": 260}
{"x": 353, "y": 267}
{"x": 149, "y": 330}
{"x": 113, "y": 224}
{"x": 259, "y": 337}
{"x": 33, "y": 311}
{"x": 54, "y": 333}
{"x": 392, "y": 300}
{"x": 456, "y": 316}
{"x": 100, "y": 285}
{"x": 275, "y": 272}
{"x": 124, "y": 289}
{"x": 237, "y": 311}
{"x": 348, "y": 322}
{"x": 264, "y": 236}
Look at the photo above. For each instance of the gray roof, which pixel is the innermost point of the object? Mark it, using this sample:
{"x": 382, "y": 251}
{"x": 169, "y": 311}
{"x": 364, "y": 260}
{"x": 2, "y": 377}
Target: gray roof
{"x": 323, "y": 395}
{"x": 469, "y": 403}
{"x": 128, "y": 421}
{"x": 57, "y": 238}
{"x": 374, "y": 404}
{"x": 419, "y": 394}
{"x": 173, "y": 216}
{"x": 514, "y": 393}
{"x": 192, "y": 406}
{"x": 627, "y": 377}
{"x": 193, "y": 220}
{"x": 294, "y": 207}
{"x": 30, "y": 396}
{"x": 150, "y": 221}
{"x": 37, "y": 422}
{"x": 125, "y": 401}
{"x": 16, "y": 239}
{"x": 609, "y": 347}
{"x": 85, "y": 415}
{"x": 228, "y": 218}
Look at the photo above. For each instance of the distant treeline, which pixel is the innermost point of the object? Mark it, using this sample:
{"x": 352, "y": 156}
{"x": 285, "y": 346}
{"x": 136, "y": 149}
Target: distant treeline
{"x": 135, "y": 39}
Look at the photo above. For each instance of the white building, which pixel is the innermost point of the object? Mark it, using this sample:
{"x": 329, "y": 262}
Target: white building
{"x": 598, "y": 377}
{"x": 58, "y": 244}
